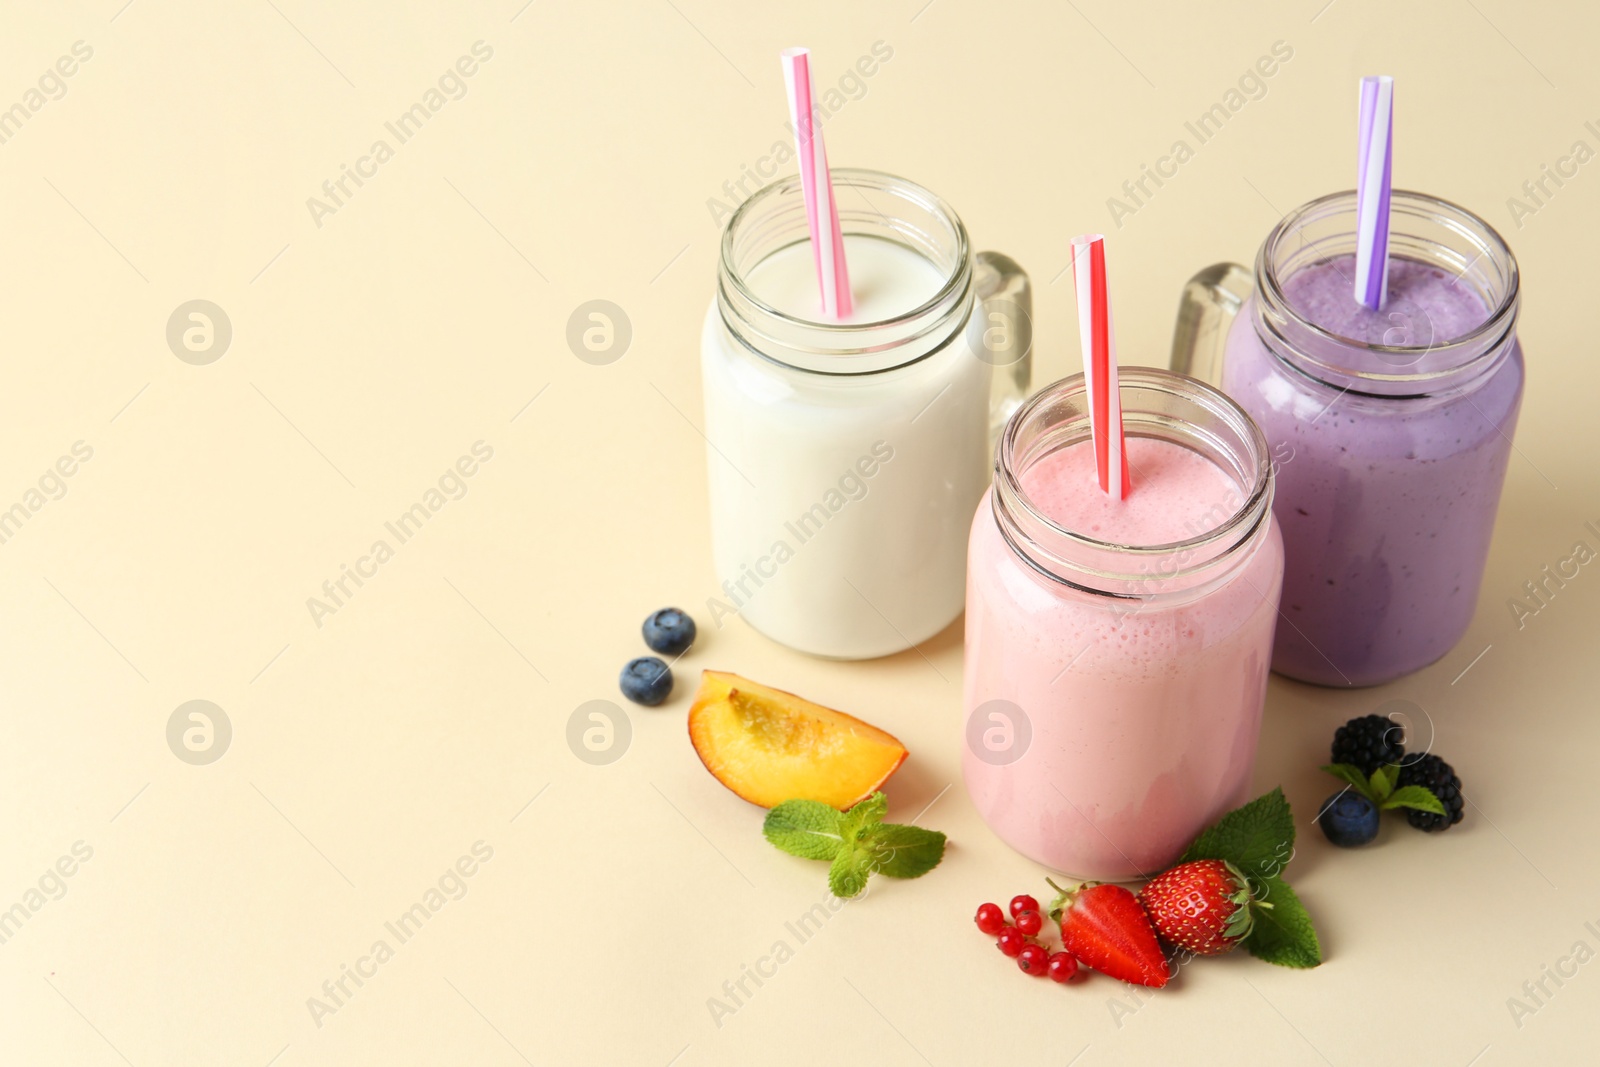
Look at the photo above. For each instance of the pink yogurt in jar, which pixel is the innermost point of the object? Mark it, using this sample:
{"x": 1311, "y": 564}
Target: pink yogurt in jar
{"x": 1117, "y": 652}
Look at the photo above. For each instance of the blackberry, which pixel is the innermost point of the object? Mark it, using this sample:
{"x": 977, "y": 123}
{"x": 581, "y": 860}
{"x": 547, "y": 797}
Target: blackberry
{"x": 1369, "y": 742}
{"x": 1439, "y": 778}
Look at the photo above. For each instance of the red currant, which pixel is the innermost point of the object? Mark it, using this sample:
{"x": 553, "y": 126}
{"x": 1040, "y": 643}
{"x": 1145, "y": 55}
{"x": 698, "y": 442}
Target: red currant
{"x": 1011, "y": 942}
{"x": 1030, "y": 922}
{"x": 1023, "y": 903}
{"x": 1033, "y": 959}
{"x": 991, "y": 920}
{"x": 1062, "y": 966}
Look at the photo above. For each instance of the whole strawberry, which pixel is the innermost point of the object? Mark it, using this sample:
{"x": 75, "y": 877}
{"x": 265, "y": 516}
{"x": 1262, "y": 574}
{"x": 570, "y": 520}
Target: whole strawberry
{"x": 1105, "y": 927}
{"x": 1203, "y": 906}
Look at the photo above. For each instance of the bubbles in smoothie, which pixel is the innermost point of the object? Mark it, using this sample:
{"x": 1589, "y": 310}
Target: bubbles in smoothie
{"x": 1176, "y": 494}
{"x": 1427, "y": 305}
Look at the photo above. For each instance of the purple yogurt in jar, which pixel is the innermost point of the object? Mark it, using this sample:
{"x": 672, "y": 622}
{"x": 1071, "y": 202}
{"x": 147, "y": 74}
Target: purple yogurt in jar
{"x": 1391, "y": 429}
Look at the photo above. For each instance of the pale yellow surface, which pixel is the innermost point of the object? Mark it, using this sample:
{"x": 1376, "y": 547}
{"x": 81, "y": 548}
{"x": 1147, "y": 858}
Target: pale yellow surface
{"x": 371, "y": 752}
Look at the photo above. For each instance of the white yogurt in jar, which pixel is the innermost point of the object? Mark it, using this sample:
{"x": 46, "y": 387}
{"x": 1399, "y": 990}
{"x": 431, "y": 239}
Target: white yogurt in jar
{"x": 841, "y": 502}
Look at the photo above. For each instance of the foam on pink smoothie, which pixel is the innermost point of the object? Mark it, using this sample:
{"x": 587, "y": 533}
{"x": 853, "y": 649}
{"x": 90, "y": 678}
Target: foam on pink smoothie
{"x": 1177, "y": 494}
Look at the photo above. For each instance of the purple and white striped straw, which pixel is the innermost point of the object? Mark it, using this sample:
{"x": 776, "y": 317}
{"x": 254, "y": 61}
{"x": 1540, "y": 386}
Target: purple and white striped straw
{"x": 1375, "y": 154}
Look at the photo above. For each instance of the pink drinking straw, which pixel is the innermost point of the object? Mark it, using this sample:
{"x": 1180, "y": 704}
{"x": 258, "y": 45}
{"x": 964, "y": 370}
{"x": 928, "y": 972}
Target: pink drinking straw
{"x": 1375, "y": 150}
{"x": 1100, "y": 363}
{"x": 816, "y": 182}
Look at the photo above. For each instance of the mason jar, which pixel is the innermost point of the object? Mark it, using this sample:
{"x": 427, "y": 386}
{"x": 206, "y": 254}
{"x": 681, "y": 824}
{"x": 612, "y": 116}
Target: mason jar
{"x": 1117, "y": 653}
{"x": 845, "y": 457}
{"x": 1395, "y": 427}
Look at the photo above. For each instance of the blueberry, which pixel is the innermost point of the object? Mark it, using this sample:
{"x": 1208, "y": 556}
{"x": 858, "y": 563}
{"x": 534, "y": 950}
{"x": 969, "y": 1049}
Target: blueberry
{"x": 646, "y": 680}
{"x": 669, "y": 632}
{"x": 1349, "y": 819}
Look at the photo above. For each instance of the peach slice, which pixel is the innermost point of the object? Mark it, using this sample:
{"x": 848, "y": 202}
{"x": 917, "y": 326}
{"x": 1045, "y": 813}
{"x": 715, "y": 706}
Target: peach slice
{"x": 769, "y": 746}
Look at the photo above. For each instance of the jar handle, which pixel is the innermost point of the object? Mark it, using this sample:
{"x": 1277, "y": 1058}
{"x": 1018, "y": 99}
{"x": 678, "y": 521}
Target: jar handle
{"x": 1002, "y": 333}
{"x": 1210, "y": 302}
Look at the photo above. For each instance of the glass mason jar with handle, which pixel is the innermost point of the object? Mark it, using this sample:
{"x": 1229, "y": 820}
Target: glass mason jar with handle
{"x": 1392, "y": 429}
{"x": 1117, "y": 653}
{"x": 845, "y": 457}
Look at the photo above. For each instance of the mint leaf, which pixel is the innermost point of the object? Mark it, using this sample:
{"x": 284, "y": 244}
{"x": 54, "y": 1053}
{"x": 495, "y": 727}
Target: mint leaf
{"x": 1257, "y": 838}
{"x": 1381, "y": 784}
{"x": 805, "y": 828}
{"x": 904, "y": 851}
{"x": 857, "y": 842}
{"x": 1414, "y": 796}
{"x": 1351, "y": 775}
{"x": 865, "y": 815}
{"x": 1283, "y": 933}
{"x": 847, "y": 877}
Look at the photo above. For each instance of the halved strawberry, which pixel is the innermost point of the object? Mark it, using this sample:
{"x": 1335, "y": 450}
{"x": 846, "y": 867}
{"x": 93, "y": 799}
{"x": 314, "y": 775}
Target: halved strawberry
{"x": 1106, "y": 928}
{"x": 1203, "y": 906}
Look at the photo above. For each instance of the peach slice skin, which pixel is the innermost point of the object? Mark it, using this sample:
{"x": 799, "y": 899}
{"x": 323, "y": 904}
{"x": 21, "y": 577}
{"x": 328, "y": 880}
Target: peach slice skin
{"x": 769, "y": 746}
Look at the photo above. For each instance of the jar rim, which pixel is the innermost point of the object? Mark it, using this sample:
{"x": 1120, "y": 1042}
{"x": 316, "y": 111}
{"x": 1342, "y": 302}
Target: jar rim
{"x": 1208, "y": 548}
{"x": 854, "y": 177}
{"x": 1462, "y": 357}
{"x": 892, "y": 209}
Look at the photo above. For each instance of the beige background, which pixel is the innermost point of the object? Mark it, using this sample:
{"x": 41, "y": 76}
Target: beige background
{"x": 429, "y": 312}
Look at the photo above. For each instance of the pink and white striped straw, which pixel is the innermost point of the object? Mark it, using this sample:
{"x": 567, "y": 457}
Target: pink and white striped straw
{"x": 816, "y": 182}
{"x": 1375, "y": 151}
{"x": 1100, "y": 363}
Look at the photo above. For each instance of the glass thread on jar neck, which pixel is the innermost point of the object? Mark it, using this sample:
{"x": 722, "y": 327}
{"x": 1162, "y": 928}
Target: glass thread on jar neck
{"x": 1424, "y": 228}
{"x": 1157, "y": 404}
{"x": 872, "y": 204}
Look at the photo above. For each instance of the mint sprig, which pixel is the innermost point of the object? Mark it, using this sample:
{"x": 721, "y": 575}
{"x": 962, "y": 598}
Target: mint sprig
{"x": 804, "y": 828}
{"x": 1258, "y": 840}
{"x": 1283, "y": 933}
{"x": 1380, "y": 788}
{"x": 857, "y": 843}
{"x": 905, "y": 851}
